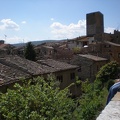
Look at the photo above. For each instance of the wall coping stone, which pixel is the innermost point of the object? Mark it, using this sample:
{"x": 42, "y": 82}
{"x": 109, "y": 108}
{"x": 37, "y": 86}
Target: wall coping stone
{"x": 112, "y": 110}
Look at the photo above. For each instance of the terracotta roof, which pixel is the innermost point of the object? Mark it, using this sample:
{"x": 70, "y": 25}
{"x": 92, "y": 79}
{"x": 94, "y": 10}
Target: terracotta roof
{"x": 82, "y": 38}
{"x": 92, "y": 57}
{"x": 3, "y": 46}
{"x": 48, "y": 47}
{"x": 85, "y": 38}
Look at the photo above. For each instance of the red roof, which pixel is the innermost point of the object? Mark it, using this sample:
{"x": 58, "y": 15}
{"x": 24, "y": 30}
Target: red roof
{"x": 3, "y": 46}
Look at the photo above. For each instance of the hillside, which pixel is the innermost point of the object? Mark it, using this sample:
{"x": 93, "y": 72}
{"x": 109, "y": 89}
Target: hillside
{"x": 33, "y": 42}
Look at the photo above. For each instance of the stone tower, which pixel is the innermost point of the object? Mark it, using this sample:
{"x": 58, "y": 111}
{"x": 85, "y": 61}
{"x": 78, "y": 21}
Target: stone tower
{"x": 94, "y": 23}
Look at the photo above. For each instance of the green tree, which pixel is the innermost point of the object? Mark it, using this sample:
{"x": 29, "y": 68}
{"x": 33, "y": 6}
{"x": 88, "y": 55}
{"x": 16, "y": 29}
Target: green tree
{"x": 37, "y": 100}
{"x": 30, "y": 52}
{"x": 91, "y": 102}
{"x": 76, "y": 50}
{"x": 108, "y": 72}
{"x": 94, "y": 94}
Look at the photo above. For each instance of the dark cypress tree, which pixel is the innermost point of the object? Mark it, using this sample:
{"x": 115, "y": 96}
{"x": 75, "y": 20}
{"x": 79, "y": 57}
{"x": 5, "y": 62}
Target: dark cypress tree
{"x": 30, "y": 52}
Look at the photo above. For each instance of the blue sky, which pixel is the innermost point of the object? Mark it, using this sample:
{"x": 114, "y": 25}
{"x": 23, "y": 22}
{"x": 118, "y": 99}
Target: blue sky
{"x": 28, "y": 20}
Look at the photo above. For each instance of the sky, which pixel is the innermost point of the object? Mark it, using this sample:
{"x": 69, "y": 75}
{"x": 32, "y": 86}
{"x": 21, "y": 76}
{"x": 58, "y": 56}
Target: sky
{"x": 22, "y": 21}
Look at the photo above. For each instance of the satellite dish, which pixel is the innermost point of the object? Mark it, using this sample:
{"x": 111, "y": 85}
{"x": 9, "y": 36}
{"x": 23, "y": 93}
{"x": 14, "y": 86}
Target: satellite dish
{"x": 86, "y": 46}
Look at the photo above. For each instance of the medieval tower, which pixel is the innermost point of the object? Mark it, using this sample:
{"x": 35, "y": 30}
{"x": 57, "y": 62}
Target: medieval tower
{"x": 94, "y": 23}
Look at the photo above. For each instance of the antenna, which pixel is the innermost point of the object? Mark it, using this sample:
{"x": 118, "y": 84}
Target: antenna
{"x": 5, "y": 37}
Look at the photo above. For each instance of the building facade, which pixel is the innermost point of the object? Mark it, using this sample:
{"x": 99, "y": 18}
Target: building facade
{"x": 89, "y": 65}
{"x": 14, "y": 68}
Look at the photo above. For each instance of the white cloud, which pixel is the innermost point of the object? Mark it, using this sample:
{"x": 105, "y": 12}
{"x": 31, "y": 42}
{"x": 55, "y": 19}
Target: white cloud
{"x": 15, "y": 39}
{"x": 8, "y": 24}
{"x": 61, "y": 31}
{"x": 52, "y": 19}
{"x": 23, "y": 22}
{"x": 109, "y": 30}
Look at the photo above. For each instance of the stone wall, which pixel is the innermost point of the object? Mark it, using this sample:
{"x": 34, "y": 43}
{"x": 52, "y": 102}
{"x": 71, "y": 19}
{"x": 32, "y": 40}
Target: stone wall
{"x": 112, "y": 110}
{"x": 89, "y": 65}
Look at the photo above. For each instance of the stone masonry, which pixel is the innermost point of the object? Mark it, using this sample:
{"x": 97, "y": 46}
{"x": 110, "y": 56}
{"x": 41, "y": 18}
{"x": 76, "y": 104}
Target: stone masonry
{"x": 112, "y": 110}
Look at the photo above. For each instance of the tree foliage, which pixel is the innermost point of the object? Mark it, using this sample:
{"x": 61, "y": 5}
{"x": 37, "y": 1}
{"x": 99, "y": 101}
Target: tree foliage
{"x": 91, "y": 102}
{"x": 76, "y": 50}
{"x": 41, "y": 100}
{"x": 108, "y": 72}
{"x": 30, "y": 52}
{"x": 38, "y": 100}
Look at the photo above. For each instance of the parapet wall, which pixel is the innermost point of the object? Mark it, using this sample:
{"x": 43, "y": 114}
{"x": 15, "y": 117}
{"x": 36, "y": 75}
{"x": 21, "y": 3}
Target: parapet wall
{"x": 112, "y": 110}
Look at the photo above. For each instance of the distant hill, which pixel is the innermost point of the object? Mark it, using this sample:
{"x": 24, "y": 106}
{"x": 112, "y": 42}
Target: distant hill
{"x": 34, "y": 43}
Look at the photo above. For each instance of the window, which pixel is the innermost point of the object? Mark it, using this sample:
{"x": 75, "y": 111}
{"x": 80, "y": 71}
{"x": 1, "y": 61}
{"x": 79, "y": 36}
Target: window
{"x": 97, "y": 67}
{"x": 79, "y": 69}
{"x": 107, "y": 46}
{"x": 60, "y": 78}
{"x": 72, "y": 76}
{"x": 110, "y": 54}
{"x": 77, "y": 43}
{"x": 109, "y": 51}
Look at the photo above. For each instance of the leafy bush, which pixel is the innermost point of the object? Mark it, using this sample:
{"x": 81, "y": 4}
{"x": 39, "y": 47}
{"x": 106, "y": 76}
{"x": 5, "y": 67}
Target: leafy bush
{"x": 76, "y": 50}
{"x": 108, "y": 72}
{"x": 91, "y": 102}
{"x": 37, "y": 100}
{"x": 41, "y": 100}
{"x": 109, "y": 84}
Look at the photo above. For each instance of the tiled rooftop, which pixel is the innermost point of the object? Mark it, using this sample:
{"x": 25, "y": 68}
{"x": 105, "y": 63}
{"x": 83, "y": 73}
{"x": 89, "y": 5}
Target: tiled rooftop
{"x": 85, "y": 39}
{"x": 111, "y": 43}
{"x": 3, "y": 46}
{"x": 9, "y": 74}
{"x": 92, "y": 57}
{"x": 55, "y": 66}
{"x": 25, "y": 65}
{"x": 82, "y": 38}
{"x": 13, "y": 68}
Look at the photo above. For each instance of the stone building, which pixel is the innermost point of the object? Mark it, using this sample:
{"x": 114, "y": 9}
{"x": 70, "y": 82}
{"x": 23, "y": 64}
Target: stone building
{"x": 116, "y": 37}
{"x": 14, "y": 68}
{"x": 105, "y": 49}
{"x": 89, "y": 65}
{"x": 95, "y": 23}
{"x": 112, "y": 50}
{"x": 64, "y": 73}
{"x": 79, "y": 42}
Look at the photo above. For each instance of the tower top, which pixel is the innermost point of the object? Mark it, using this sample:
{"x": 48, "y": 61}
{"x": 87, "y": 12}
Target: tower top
{"x": 97, "y": 12}
{"x": 95, "y": 23}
